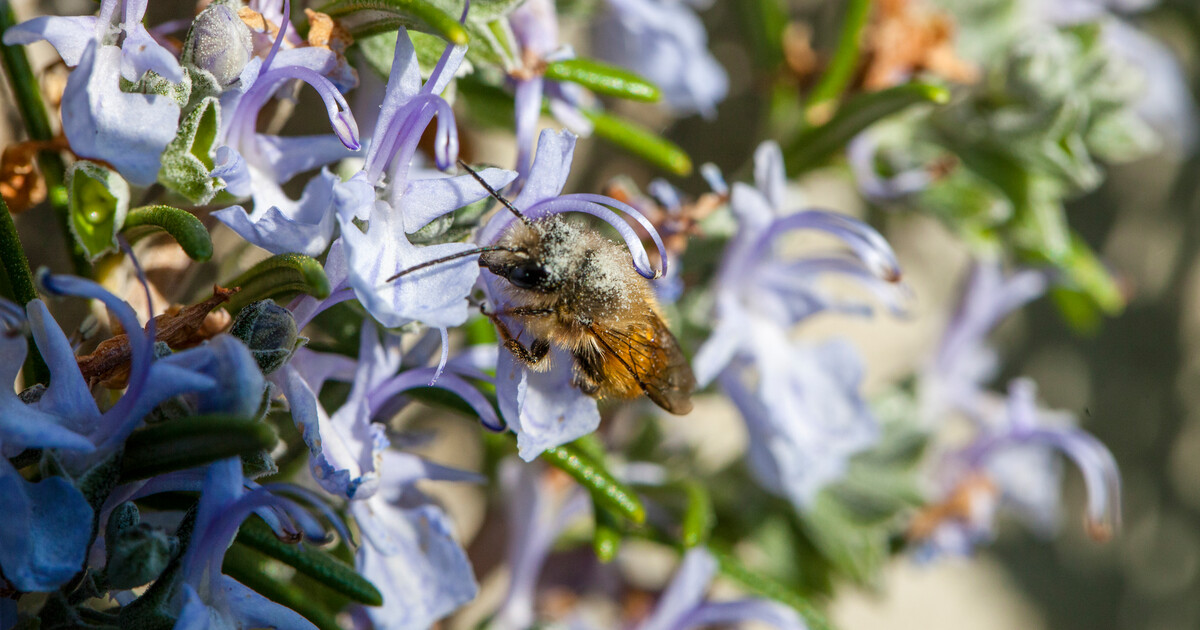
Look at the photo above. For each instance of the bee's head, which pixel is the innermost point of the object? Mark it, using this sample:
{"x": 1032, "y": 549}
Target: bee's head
{"x": 520, "y": 269}
{"x": 536, "y": 257}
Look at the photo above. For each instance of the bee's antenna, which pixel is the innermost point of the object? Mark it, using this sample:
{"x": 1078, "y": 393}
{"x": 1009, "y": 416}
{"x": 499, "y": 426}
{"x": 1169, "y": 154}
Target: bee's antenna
{"x": 469, "y": 252}
{"x": 494, "y": 194}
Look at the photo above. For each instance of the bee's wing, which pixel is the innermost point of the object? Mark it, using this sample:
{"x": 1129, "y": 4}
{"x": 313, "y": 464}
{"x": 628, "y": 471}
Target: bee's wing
{"x": 652, "y": 356}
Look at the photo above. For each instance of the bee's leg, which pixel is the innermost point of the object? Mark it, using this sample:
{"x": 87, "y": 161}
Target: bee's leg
{"x": 534, "y": 356}
{"x": 588, "y": 372}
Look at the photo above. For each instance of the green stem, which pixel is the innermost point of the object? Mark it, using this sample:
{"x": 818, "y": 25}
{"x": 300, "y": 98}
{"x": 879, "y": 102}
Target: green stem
{"x": 20, "y": 279}
{"x": 37, "y": 124}
{"x": 845, "y": 59}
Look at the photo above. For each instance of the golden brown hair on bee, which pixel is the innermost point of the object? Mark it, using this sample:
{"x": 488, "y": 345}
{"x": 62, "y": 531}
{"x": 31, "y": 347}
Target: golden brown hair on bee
{"x": 572, "y": 288}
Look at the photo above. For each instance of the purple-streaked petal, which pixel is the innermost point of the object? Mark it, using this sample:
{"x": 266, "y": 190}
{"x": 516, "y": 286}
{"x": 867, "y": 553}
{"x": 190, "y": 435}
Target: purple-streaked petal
{"x": 446, "y": 68}
{"x": 404, "y": 82}
{"x": 129, "y": 131}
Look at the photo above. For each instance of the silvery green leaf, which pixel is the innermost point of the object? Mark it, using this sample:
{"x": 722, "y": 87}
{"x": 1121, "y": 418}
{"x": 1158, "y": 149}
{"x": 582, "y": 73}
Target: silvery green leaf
{"x": 1121, "y": 137}
{"x": 187, "y": 161}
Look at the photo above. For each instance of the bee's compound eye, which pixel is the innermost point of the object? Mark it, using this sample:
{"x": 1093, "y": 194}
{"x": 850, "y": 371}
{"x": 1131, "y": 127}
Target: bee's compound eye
{"x": 528, "y": 276}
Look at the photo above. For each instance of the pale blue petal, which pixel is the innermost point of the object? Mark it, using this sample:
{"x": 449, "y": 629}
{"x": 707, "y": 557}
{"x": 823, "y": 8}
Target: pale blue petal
{"x": 544, "y": 409}
{"x": 664, "y": 42}
{"x": 548, "y": 175}
{"x": 70, "y": 36}
{"x": 426, "y": 578}
{"x": 196, "y": 615}
{"x": 129, "y": 131}
{"x": 309, "y": 417}
{"x": 350, "y": 441}
{"x": 42, "y": 544}
{"x": 288, "y": 156}
{"x": 551, "y": 166}
{"x": 435, "y": 296}
{"x": 305, "y": 227}
{"x": 719, "y": 349}
{"x": 427, "y": 199}
{"x": 140, "y": 53}
{"x": 229, "y": 167}
{"x": 251, "y": 610}
{"x": 354, "y": 198}
{"x": 808, "y": 417}
{"x": 404, "y": 82}
{"x": 685, "y": 592}
{"x": 769, "y": 175}
{"x": 765, "y": 611}
{"x": 238, "y": 382}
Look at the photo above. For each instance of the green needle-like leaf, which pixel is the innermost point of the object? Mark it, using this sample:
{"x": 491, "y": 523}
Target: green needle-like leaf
{"x": 641, "y": 142}
{"x": 20, "y": 280}
{"x": 245, "y": 566}
{"x": 182, "y": 225}
{"x": 279, "y": 276}
{"x": 604, "y": 487}
{"x": 698, "y": 517}
{"x": 606, "y": 535}
{"x": 190, "y": 442}
{"x": 844, "y": 63}
{"x": 310, "y": 561}
{"x": 370, "y": 17}
{"x": 814, "y": 145}
{"x": 603, "y": 78}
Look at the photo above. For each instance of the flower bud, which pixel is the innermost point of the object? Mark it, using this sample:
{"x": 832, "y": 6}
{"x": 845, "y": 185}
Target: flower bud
{"x": 269, "y": 330}
{"x": 137, "y": 553}
{"x": 219, "y": 42}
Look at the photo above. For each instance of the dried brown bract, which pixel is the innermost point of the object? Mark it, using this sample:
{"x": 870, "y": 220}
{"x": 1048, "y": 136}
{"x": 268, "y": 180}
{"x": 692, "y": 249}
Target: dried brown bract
{"x": 21, "y": 182}
{"x": 179, "y": 328}
{"x": 905, "y": 38}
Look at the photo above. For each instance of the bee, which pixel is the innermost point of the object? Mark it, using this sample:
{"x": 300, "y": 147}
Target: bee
{"x": 571, "y": 288}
